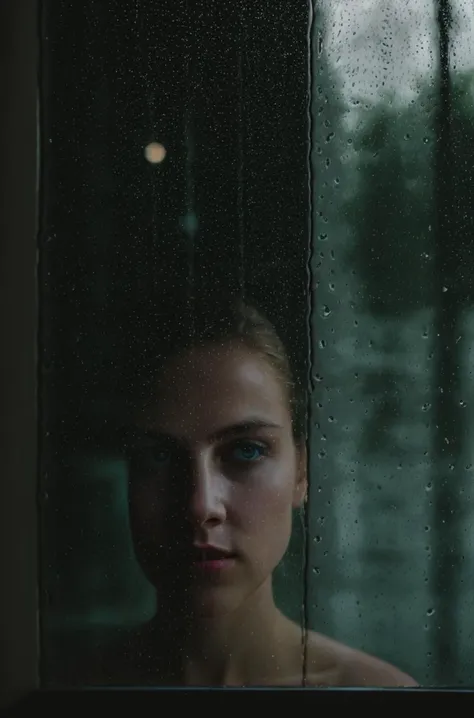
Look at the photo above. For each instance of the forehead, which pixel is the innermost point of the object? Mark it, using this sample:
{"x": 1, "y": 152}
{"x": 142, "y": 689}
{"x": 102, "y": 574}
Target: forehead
{"x": 208, "y": 388}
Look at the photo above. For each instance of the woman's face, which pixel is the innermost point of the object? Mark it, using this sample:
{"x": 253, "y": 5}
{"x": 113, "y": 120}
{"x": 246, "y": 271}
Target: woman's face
{"x": 214, "y": 464}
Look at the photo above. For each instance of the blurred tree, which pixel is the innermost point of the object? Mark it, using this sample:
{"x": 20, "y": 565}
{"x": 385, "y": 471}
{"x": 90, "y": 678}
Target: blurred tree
{"x": 412, "y": 221}
{"x": 391, "y": 210}
{"x": 327, "y": 576}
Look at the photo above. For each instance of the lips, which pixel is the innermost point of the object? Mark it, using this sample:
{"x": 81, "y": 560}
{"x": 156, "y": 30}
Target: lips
{"x": 212, "y": 558}
{"x": 211, "y": 553}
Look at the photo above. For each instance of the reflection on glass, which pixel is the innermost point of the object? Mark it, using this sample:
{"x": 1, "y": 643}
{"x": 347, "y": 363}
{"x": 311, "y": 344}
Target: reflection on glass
{"x": 155, "y": 152}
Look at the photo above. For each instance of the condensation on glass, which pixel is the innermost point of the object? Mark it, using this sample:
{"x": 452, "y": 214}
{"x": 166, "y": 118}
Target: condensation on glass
{"x": 391, "y": 548}
{"x": 196, "y": 150}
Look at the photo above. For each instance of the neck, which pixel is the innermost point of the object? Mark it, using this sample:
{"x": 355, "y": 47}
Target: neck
{"x": 243, "y": 647}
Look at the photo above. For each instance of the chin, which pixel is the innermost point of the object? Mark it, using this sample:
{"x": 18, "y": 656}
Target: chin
{"x": 210, "y": 605}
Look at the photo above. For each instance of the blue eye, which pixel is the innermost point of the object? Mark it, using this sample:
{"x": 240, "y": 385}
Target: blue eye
{"x": 247, "y": 452}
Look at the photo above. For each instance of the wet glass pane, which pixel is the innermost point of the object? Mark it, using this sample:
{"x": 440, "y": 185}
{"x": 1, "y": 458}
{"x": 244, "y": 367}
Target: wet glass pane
{"x": 315, "y": 165}
{"x": 391, "y": 466}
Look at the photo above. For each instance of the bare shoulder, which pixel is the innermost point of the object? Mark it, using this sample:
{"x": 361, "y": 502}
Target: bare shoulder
{"x": 332, "y": 663}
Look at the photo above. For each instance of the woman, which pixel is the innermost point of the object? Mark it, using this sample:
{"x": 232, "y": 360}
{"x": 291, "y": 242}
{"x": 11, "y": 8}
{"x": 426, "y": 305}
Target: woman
{"x": 217, "y": 465}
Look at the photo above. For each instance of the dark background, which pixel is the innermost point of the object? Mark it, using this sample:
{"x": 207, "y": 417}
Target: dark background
{"x": 224, "y": 86}
{"x": 18, "y": 514}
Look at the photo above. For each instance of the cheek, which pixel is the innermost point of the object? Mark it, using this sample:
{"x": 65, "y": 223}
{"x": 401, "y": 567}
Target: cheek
{"x": 265, "y": 506}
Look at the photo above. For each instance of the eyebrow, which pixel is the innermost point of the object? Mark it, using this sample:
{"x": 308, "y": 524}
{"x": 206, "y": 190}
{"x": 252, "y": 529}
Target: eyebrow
{"x": 241, "y": 427}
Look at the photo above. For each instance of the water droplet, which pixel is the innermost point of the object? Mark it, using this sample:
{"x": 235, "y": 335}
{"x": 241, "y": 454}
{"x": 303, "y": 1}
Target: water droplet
{"x": 430, "y": 612}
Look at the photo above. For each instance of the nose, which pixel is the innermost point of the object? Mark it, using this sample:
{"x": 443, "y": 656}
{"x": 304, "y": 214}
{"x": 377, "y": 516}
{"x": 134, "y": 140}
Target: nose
{"x": 207, "y": 501}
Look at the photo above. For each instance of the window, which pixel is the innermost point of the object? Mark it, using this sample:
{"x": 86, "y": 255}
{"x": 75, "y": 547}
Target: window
{"x": 318, "y": 165}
